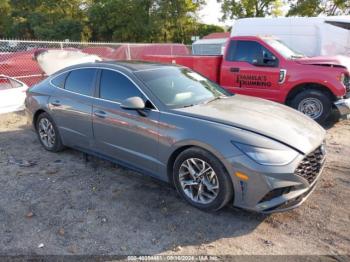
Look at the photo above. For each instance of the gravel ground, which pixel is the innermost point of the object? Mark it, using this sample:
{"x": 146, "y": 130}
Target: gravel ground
{"x": 60, "y": 204}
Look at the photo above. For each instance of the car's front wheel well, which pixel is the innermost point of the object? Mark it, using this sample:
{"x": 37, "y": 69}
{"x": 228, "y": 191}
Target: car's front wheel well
{"x": 307, "y": 86}
{"x": 171, "y": 162}
{"x": 36, "y": 115}
{"x": 175, "y": 154}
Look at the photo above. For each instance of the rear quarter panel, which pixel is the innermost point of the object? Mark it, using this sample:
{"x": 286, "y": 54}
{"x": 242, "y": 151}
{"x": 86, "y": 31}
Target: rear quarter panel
{"x": 37, "y": 98}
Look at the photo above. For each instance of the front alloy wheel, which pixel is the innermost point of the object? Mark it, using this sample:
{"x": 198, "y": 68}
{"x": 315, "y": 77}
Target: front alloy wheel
{"x": 198, "y": 180}
{"x": 202, "y": 180}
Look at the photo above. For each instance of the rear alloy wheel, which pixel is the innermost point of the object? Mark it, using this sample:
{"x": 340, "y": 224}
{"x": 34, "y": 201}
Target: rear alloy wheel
{"x": 313, "y": 103}
{"x": 48, "y": 133}
{"x": 201, "y": 179}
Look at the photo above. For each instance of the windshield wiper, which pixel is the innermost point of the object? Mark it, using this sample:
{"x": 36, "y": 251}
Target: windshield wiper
{"x": 205, "y": 102}
{"x": 215, "y": 98}
{"x": 190, "y": 105}
{"x": 296, "y": 56}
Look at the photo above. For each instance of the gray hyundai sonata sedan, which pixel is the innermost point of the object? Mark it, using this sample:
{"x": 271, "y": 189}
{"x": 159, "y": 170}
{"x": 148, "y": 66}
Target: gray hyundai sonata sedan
{"x": 173, "y": 124}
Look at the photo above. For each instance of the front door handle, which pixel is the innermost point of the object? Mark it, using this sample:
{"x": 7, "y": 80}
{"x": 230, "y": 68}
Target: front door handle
{"x": 56, "y": 103}
{"x": 100, "y": 113}
{"x": 234, "y": 69}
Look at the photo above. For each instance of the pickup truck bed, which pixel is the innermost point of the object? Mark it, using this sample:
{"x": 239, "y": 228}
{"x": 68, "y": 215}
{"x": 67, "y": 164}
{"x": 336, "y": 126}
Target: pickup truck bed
{"x": 208, "y": 66}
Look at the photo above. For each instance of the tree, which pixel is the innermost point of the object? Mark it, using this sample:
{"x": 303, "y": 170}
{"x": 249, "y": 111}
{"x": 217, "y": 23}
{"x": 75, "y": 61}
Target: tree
{"x": 177, "y": 19}
{"x": 48, "y": 19}
{"x": 144, "y": 20}
{"x": 103, "y": 20}
{"x": 250, "y": 8}
{"x": 5, "y": 18}
{"x": 204, "y": 29}
{"x": 122, "y": 20}
{"x": 316, "y": 7}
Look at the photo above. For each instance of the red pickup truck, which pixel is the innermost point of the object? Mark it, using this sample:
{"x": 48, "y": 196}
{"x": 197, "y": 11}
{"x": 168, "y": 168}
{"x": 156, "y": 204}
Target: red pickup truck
{"x": 266, "y": 68}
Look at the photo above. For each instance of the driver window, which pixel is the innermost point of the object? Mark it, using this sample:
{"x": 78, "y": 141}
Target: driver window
{"x": 250, "y": 52}
{"x": 244, "y": 51}
{"x": 116, "y": 87}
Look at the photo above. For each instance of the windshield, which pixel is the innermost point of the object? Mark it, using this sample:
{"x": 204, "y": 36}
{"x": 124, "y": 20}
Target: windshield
{"x": 284, "y": 50}
{"x": 180, "y": 87}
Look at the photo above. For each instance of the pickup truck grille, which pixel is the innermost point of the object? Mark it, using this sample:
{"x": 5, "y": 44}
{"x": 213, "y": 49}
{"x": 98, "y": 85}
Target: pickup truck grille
{"x": 347, "y": 84}
{"x": 311, "y": 165}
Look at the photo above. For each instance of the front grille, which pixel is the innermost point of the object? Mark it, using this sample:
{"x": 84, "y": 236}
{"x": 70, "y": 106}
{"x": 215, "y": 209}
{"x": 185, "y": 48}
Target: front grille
{"x": 311, "y": 165}
{"x": 347, "y": 84}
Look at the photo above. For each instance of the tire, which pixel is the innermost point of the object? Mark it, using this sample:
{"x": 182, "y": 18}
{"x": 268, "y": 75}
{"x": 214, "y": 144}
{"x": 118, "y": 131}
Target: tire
{"x": 51, "y": 141}
{"x": 313, "y": 103}
{"x": 220, "y": 184}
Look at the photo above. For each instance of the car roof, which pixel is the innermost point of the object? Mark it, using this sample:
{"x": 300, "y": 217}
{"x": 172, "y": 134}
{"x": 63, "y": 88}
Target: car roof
{"x": 131, "y": 66}
{"x": 136, "y": 65}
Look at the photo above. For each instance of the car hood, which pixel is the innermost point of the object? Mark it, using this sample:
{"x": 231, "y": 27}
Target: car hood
{"x": 340, "y": 61}
{"x": 266, "y": 118}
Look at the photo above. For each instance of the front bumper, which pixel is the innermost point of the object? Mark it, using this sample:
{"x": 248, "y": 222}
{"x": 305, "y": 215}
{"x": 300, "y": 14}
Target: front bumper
{"x": 291, "y": 203}
{"x": 272, "y": 189}
{"x": 343, "y": 105}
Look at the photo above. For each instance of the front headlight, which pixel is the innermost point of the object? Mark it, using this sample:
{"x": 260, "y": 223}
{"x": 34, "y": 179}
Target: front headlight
{"x": 266, "y": 156}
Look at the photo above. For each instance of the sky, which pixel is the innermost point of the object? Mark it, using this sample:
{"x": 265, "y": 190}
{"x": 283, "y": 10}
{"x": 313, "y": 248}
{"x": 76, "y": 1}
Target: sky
{"x": 211, "y": 13}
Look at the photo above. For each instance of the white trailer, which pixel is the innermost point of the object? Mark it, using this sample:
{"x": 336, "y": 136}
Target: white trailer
{"x": 311, "y": 36}
{"x": 209, "y": 46}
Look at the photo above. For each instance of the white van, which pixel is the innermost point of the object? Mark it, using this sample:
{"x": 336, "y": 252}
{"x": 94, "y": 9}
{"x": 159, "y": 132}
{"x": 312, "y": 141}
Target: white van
{"x": 311, "y": 36}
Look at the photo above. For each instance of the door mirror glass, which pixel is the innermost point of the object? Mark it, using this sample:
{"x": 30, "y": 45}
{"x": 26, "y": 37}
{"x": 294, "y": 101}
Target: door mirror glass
{"x": 135, "y": 103}
{"x": 265, "y": 60}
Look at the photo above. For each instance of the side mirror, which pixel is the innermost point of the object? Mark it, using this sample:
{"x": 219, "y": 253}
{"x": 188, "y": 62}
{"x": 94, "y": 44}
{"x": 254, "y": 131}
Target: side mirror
{"x": 133, "y": 103}
{"x": 265, "y": 61}
{"x": 270, "y": 61}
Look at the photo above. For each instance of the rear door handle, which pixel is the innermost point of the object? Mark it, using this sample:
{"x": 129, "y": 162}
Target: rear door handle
{"x": 100, "y": 113}
{"x": 234, "y": 69}
{"x": 56, "y": 103}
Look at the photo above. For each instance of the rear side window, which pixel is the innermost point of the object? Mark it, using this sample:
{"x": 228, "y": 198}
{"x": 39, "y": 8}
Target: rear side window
{"x": 59, "y": 80}
{"x": 117, "y": 87}
{"x": 81, "y": 81}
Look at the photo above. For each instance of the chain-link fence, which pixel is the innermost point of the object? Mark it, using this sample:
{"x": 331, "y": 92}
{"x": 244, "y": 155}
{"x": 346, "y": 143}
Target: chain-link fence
{"x": 18, "y": 57}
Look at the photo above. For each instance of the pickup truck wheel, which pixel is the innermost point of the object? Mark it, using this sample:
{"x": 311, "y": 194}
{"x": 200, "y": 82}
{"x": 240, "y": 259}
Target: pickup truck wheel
{"x": 313, "y": 103}
{"x": 201, "y": 179}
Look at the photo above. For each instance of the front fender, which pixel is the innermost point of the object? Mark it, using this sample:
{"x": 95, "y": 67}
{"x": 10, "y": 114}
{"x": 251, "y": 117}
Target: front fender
{"x": 324, "y": 76}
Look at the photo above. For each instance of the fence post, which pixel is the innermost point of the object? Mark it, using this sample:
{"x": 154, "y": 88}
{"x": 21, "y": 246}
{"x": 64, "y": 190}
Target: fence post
{"x": 128, "y": 53}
